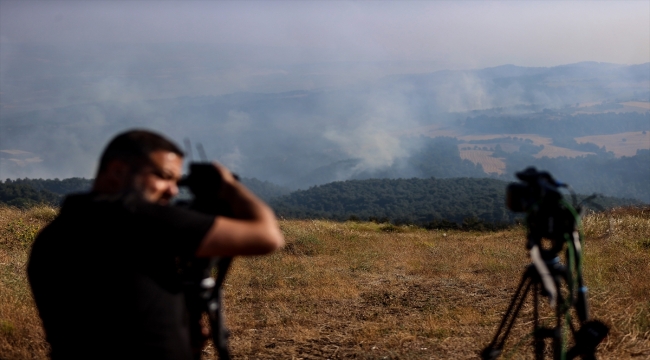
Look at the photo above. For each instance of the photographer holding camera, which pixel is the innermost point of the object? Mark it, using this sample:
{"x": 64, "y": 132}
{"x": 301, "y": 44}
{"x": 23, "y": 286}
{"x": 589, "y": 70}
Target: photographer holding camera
{"x": 105, "y": 273}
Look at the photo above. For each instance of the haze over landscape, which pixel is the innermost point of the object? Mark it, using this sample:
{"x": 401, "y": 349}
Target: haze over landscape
{"x": 383, "y": 134}
{"x": 306, "y": 93}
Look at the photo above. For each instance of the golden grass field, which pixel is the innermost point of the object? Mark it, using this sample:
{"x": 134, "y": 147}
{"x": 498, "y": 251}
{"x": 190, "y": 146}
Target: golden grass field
{"x": 378, "y": 291}
{"x": 640, "y": 104}
{"x": 552, "y": 151}
{"x": 622, "y": 144}
{"x": 489, "y": 163}
{"x": 536, "y": 139}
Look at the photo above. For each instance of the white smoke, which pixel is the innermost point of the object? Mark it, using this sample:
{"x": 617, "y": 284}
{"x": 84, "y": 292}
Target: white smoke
{"x": 375, "y": 137}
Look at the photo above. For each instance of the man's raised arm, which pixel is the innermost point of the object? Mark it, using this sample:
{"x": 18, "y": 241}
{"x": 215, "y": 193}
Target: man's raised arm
{"x": 252, "y": 229}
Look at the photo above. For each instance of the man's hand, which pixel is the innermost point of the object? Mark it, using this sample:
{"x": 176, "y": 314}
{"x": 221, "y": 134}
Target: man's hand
{"x": 250, "y": 227}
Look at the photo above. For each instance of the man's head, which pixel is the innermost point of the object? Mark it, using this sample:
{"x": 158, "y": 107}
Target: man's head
{"x": 143, "y": 161}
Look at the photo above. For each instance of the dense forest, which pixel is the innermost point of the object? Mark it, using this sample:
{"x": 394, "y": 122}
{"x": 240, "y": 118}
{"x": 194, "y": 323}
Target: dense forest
{"x": 431, "y": 202}
{"x": 416, "y": 201}
{"x": 24, "y": 193}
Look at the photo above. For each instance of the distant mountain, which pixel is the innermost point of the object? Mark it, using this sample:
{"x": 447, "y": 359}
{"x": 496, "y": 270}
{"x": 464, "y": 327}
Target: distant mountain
{"x": 302, "y": 138}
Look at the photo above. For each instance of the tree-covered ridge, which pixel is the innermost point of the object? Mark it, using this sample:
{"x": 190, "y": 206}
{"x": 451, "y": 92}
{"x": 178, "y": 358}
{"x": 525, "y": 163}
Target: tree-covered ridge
{"x": 432, "y": 202}
{"x": 23, "y": 195}
{"x": 59, "y": 187}
{"x": 28, "y": 192}
{"x": 418, "y": 201}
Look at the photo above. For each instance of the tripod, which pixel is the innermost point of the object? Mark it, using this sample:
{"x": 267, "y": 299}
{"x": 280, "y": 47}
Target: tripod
{"x": 532, "y": 279}
{"x": 544, "y": 276}
{"x": 549, "y": 217}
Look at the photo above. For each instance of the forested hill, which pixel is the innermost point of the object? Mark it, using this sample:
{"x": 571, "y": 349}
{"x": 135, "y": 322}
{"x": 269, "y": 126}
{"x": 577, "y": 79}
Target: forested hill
{"x": 418, "y": 201}
{"x": 24, "y": 193}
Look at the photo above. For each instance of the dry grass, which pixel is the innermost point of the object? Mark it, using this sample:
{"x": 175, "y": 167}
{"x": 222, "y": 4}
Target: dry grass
{"x": 635, "y": 106}
{"x": 21, "y": 335}
{"x": 365, "y": 290}
{"x": 536, "y": 139}
{"x": 623, "y": 144}
{"x": 489, "y": 163}
{"x": 638, "y": 104}
{"x": 552, "y": 151}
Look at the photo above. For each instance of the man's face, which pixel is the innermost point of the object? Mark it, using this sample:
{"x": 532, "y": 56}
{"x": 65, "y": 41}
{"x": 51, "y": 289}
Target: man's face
{"x": 157, "y": 182}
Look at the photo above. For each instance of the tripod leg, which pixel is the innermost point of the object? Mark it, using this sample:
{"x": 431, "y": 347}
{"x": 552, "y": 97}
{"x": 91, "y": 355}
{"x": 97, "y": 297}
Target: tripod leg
{"x": 493, "y": 350}
{"x": 558, "y": 334}
{"x": 539, "y": 338}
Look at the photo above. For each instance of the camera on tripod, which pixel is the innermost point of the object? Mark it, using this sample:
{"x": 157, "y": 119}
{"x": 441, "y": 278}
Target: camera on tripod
{"x": 547, "y": 216}
{"x": 550, "y": 217}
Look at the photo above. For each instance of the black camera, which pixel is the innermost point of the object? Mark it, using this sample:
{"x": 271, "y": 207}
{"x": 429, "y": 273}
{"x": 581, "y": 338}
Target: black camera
{"x": 537, "y": 187}
{"x": 547, "y": 215}
{"x": 204, "y": 182}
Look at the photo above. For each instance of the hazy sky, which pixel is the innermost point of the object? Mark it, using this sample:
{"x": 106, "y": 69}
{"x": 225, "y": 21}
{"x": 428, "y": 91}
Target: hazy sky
{"x": 458, "y": 34}
{"x": 104, "y": 66}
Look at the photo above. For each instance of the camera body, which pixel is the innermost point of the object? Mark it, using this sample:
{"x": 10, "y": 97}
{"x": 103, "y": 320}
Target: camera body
{"x": 538, "y": 195}
{"x": 204, "y": 182}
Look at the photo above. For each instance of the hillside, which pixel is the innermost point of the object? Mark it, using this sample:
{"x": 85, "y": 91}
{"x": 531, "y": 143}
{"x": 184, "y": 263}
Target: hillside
{"x": 24, "y": 193}
{"x": 415, "y": 201}
{"x": 376, "y": 291}
{"x": 437, "y": 203}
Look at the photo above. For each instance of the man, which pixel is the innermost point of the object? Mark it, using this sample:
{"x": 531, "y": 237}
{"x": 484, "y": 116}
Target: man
{"x": 104, "y": 273}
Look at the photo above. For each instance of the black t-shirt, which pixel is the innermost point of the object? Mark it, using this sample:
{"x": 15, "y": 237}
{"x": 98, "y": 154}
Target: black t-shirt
{"x": 105, "y": 278}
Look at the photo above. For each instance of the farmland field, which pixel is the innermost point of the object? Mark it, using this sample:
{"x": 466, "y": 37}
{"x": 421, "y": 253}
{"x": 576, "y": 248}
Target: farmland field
{"x": 379, "y": 291}
{"x": 489, "y": 163}
{"x": 639, "y": 106}
{"x": 552, "y": 151}
{"x": 536, "y": 139}
{"x": 623, "y": 144}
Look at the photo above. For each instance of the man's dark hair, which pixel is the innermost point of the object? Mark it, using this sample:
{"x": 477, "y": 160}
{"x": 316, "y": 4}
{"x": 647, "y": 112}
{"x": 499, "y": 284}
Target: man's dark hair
{"x": 134, "y": 148}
